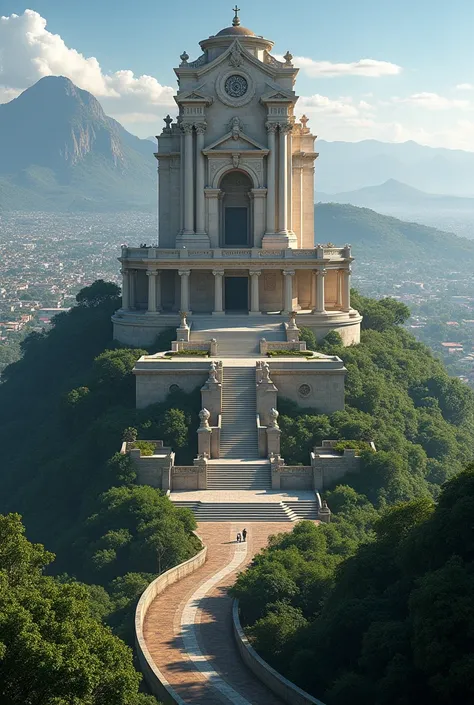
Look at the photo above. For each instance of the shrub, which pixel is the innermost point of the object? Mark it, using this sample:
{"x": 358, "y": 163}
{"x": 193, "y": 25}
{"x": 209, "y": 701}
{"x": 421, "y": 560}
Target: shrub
{"x": 359, "y": 446}
{"x": 145, "y": 447}
{"x": 188, "y": 353}
{"x": 288, "y": 353}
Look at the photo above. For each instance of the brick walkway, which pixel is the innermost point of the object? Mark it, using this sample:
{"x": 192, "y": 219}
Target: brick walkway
{"x": 162, "y": 628}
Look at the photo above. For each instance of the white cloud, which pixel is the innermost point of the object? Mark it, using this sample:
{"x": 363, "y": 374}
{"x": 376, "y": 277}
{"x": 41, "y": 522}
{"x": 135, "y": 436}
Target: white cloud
{"x": 364, "y": 67}
{"x": 28, "y": 51}
{"x": 344, "y": 106}
{"x": 465, "y": 87}
{"x": 432, "y": 101}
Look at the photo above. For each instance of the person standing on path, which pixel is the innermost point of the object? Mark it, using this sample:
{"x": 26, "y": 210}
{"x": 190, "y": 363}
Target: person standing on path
{"x": 244, "y": 534}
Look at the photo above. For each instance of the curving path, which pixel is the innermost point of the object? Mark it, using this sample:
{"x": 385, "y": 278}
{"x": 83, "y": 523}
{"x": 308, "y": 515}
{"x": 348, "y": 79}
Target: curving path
{"x": 188, "y": 628}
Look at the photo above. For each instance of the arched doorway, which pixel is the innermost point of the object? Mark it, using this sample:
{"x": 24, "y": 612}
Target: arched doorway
{"x": 236, "y": 186}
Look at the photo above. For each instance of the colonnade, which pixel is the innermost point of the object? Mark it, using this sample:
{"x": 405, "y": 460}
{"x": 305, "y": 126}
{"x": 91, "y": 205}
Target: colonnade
{"x": 318, "y": 299}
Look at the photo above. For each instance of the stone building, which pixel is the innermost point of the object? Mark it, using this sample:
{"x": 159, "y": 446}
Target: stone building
{"x": 236, "y": 272}
{"x": 236, "y": 203}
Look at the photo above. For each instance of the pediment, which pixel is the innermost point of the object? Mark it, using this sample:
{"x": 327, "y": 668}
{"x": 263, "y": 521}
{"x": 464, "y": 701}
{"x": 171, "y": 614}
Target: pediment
{"x": 278, "y": 96}
{"x": 228, "y": 143}
{"x": 193, "y": 96}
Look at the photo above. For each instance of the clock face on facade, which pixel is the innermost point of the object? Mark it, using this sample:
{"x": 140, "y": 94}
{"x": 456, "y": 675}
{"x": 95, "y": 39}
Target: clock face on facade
{"x": 236, "y": 86}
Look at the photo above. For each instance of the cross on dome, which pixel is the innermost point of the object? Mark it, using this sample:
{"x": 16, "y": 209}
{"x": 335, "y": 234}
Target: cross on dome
{"x": 236, "y": 20}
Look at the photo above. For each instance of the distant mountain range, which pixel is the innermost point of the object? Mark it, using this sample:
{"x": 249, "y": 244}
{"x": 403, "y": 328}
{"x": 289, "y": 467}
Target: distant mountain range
{"x": 347, "y": 166}
{"x": 454, "y": 213}
{"x": 60, "y": 152}
{"x": 382, "y": 238}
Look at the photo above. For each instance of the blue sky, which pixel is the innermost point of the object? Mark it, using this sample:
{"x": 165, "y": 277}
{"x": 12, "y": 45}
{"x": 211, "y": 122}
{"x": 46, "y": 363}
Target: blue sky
{"x": 420, "y": 84}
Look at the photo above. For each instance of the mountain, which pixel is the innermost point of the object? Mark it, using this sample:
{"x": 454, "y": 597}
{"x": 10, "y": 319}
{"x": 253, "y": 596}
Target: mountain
{"x": 380, "y": 237}
{"x": 454, "y": 213}
{"x": 59, "y": 151}
{"x": 346, "y": 166}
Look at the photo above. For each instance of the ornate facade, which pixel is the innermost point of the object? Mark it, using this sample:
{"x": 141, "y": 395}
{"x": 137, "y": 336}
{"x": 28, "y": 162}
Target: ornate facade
{"x": 236, "y": 202}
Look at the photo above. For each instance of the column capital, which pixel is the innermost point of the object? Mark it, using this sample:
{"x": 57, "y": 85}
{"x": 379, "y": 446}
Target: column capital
{"x": 124, "y": 270}
{"x": 151, "y": 272}
{"x": 347, "y": 271}
{"x": 201, "y": 127}
{"x": 184, "y": 272}
{"x": 321, "y": 272}
{"x": 271, "y": 127}
{"x": 187, "y": 128}
{"x": 289, "y": 272}
{"x": 218, "y": 272}
{"x": 286, "y": 127}
{"x": 255, "y": 272}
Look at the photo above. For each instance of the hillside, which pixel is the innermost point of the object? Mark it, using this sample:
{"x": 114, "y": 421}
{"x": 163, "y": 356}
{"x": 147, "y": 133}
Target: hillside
{"x": 375, "y": 236}
{"x": 346, "y": 166}
{"x": 61, "y": 152}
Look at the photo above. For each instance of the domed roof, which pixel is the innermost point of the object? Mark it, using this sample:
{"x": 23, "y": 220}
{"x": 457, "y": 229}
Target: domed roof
{"x": 235, "y": 31}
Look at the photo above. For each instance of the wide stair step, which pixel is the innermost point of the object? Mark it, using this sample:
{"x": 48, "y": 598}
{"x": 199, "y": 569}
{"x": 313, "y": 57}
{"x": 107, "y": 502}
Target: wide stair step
{"x": 239, "y": 410}
{"x": 228, "y": 476}
{"x": 303, "y": 509}
{"x": 238, "y": 511}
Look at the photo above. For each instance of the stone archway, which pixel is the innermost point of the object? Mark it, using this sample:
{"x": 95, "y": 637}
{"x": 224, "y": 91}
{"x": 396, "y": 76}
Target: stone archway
{"x": 236, "y": 218}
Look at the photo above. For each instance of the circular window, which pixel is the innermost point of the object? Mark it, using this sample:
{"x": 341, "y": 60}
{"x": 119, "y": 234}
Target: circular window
{"x": 304, "y": 390}
{"x": 174, "y": 388}
{"x": 236, "y": 86}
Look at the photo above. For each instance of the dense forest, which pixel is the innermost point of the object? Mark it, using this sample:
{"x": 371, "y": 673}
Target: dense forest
{"x": 375, "y": 607}
{"x": 318, "y": 602}
{"x": 64, "y": 408}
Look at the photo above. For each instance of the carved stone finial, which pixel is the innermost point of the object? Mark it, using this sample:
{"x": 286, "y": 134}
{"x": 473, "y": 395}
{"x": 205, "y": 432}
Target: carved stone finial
{"x": 184, "y": 323}
{"x": 273, "y": 414}
{"x": 204, "y": 416}
{"x": 184, "y": 58}
{"x": 304, "y": 121}
{"x": 292, "y": 320}
{"x": 167, "y": 120}
{"x": 288, "y": 58}
{"x": 212, "y": 379}
{"x": 236, "y": 20}
{"x": 266, "y": 372}
{"x": 235, "y": 58}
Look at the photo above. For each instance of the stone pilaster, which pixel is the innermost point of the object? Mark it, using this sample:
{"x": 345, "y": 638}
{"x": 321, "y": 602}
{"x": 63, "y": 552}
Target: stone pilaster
{"x": 200, "y": 131}
{"x": 184, "y": 275}
{"x": 218, "y": 291}
{"x": 288, "y": 276}
{"x": 254, "y": 293}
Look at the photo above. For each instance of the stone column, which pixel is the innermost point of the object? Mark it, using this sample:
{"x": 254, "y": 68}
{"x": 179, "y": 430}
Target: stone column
{"x": 346, "y": 290}
{"x": 188, "y": 179}
{"x": 283, "y": 181}
{"x": 151, "y": 274}
{"x": 132, "y": 288}
{"x": 271, "y": 129}
{"x": 320, "y": 302}
{"x": 254, "y": 293}
{"x": 218, "y": 298}
{"x": 125, "y": 289}
{"x": 213, "y": 195}
{"x": 288, "y": 290}
{"x": 184, "y": 274}
{"x": 313, "y": 291}
{"x": 257, "y": 195}
{"x": 200, "y": 224}
{"x": 290, "y": 178}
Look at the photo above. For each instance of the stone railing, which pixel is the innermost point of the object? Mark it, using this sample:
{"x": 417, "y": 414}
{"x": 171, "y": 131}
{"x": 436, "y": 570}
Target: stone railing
{"x": 262, "y": 439}
{"x": 209, "y": 347}
{"x": 291, "y": 477}
{"x": 282, "y": 687}
{"x": 154, "y": 470}
{"x": 155, "y": 679}
{"x": 189, "y": 477}
{"x": 216, "y": 438}
{"x": 323, "y": 252}
{"x": 269, "y": 345}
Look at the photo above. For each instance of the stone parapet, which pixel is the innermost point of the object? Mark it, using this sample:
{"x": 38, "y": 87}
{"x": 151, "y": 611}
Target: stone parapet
{"x": 164, "y": 256}
{"x": 282, "y": 687}
{"x": 154, "y": 470}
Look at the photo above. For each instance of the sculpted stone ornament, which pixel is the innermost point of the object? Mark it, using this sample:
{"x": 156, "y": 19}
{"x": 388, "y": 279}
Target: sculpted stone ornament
{"x": 292, "y": 321}
{"x": 184, "y": 323}
{"x": 168, "y": 120}
{"x": 212, "y": 379}
{"x": 235, "y": 127}
{"x": 236, "y": 86}
{"x": 273, "y": 414}
{"x": 235, "y": 57}
{"x": 266, "y": 372}
{"x": 235, "y": 160}
{"x": 288, "y": 58}
{"x": 204, "y": 416}
{"x": 184, "y": 58}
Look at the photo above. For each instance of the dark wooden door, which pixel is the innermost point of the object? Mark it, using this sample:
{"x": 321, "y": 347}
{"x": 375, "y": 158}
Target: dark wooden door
{"x": 237, "y": 294}
{"x": 236, "y": 227}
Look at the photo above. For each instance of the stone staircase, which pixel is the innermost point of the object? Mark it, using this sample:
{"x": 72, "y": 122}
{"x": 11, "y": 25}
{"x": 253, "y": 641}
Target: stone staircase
{"x": 303, "y": 508}
{"x": 237, "y": 336}
{"x": 238, "y": 476}
{"x": 239, "y": 414}
{"x": 237, "y": 511}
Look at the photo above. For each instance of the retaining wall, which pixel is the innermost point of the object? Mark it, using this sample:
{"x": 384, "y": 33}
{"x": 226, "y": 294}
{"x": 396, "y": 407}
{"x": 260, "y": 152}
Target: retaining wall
{"x": 282, "y": 687}
{"x": 156, "y": 681}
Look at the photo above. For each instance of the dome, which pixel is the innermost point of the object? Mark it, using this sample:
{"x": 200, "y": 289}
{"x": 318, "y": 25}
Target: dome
{"x": 237, "y": 30}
